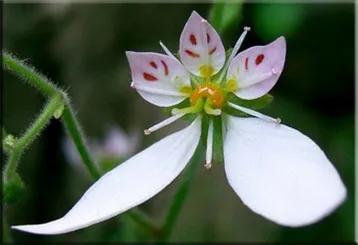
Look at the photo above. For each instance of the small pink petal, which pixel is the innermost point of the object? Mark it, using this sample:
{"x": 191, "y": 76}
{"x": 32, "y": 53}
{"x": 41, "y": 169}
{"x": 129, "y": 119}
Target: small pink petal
{"x": 200, "y": 45}
{"x": 257, "y": 69}
{"x": 158, "y": 78}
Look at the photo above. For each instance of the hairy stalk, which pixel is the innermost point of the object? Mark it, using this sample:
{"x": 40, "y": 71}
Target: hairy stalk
{"x": 74, "y": 130}
{"x": 29, "y": 75}
{"x": 30, "y": 135}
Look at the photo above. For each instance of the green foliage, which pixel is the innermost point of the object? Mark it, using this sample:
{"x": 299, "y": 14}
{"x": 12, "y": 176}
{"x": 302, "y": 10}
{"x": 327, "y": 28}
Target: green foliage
{"x": 224, "y": 14}
{"x": 273, "y": 20}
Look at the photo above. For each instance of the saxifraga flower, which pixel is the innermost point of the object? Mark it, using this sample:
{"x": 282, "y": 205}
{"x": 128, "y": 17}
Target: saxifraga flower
{"x": 277, "y": 171}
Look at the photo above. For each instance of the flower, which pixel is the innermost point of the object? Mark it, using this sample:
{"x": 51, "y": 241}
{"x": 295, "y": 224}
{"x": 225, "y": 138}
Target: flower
{"x": 277, "y": 171}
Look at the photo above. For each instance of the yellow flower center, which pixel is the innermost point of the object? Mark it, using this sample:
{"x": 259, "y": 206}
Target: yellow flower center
{"x": 211, "y": 91}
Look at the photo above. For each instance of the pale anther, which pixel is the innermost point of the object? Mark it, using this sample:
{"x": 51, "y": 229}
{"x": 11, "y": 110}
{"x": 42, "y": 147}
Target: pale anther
{"x": 273, "y": 70}
{"x": 132, "y": 85}
{"x": 207, "y": 165}
{"x": 162, "y": 124}
{"x": 247, "y": 28}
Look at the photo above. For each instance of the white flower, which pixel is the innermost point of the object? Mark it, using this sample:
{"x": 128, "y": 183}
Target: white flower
{"x": 277, "y": 171}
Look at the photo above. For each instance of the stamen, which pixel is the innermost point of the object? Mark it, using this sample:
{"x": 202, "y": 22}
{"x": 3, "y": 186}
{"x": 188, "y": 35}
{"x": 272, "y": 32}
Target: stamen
{"x": 158, "y": 91}
{"x": 192, "y": 109}
{"x": 254, "y": 113}
{"x": 209, "y": 145}
{"x": 162, "y": 124}
{"x": 209, "y": 110}
{"x": 166, "y": 50}
{"x": 233, "y": 53}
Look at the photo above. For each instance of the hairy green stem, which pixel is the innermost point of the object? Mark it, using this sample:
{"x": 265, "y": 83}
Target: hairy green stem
{"x": 40, "y": 82}
{"x": 74, "y": 130}
{"x": 29, "y": 74}
{"x": 30, "y": 135}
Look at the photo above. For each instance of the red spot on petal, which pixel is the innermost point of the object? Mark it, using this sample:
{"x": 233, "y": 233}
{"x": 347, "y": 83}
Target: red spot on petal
{"x": 207, "y": 37}
{"x": 149, "y": 77}
{"x": 259, "y": 59}
{"x": 192, "y": 54}
{"x": 153, "y": 64}
{"x": 166, "y": 70}
{"x": 246, "y": 63}
{"x": 212, "y": 51}
{"x": 192, "y": 39}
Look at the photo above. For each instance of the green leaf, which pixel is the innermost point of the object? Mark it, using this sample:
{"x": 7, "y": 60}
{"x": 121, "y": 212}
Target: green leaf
{"x": 223, "y": 14}
{"x": 255, "y": 104}
{"x": 13, "y": 189}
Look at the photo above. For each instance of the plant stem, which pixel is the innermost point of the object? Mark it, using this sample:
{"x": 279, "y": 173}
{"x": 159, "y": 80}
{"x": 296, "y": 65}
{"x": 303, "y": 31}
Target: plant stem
{"x": 143, "y": 221}
{"x": 58, "y": 97}
{"x": 179, "y": 198}
{"x": 40, "y": 82}
{"x": 30, "y": 135}
{"x": 74, "y": 129}
{"x": 6, "y": 236}
{"x": 29, "y": 74}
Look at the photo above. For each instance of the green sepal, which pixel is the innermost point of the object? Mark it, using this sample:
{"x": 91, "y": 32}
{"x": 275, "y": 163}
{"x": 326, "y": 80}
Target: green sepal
{"x": 13, "y": 189}
{"x": 218, "y": 149}
{"x": 255, "y": 104}
{"x": 204, "y": 128}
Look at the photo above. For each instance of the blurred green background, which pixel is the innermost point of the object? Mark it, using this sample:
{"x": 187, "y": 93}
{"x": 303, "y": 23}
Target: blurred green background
{"x": 82, "y": 48}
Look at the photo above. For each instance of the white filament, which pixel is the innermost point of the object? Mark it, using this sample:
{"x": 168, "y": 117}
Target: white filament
{"x": 209, "y": 144}
{"x": 255, "y": 113}
{"x": 158, "y": 91}
{"x": 234, "y": 51}
{"x": 166, "y": 50}
{"x": 163, "y": 124}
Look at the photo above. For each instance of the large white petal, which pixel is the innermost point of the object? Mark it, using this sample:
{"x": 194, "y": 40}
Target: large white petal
{"x": 280, "y": 173}
{"x": 128, "y": 185}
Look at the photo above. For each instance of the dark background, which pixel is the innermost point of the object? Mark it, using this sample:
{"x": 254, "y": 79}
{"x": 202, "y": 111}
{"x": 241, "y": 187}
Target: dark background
{"x": 82, "y": 48}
